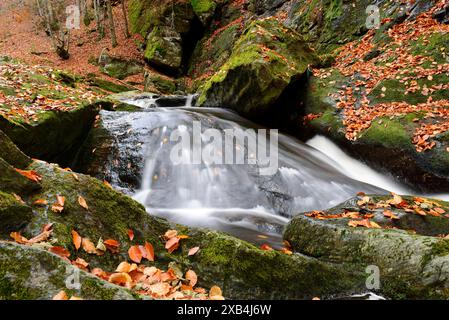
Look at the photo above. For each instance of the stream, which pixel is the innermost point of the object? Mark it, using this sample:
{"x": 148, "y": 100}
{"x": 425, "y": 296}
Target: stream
{"x": 234, "y": 198}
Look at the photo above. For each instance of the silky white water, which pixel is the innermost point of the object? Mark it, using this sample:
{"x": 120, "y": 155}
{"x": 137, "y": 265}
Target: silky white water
{"x": 233, "y": 198}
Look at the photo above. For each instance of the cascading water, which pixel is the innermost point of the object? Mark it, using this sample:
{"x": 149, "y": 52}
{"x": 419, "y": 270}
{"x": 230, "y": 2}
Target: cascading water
{"x": 231, "y": 198}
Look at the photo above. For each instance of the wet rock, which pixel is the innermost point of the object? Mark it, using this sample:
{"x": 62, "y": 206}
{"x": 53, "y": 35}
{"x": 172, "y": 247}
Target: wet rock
{"x": 159, "y": 83}
{"x": 164, "y": 48}
{"x": 13, "y": 213}
{"x": 265, "y": 59}
{"x": 412, "y": 263}
{"x": 119, "y": 68}
{"x": 30, "y": 273}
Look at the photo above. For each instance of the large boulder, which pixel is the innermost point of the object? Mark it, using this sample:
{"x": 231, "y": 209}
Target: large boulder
{"x": 384, "y": 100}
{"x": 404, "y": 241}
{"x": 30, "y": 273}
{"x": 264, "y": 61}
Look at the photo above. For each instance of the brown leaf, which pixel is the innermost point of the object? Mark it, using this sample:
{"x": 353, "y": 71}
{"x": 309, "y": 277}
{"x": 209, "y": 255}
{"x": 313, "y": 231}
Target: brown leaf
{"x": 170, "y": 234}
{"x": 18, "y": 237}
{"x": 88, "y": 246}
{"x": 83, "y": 202}
{"x": 192, "y": 278}
{"x": 149, "y": 251}
{"x": 76, "y": 239}
{"x": 135, "y": 254}
{"x": 193, "y": 251}
{"x": 41, "y": 237}
{"x": 124, "y": 267}
{"x": 40, "y": 202}
{"x": 30, "y": 174}
{"x": 121, "y": 278}
{"x": 391, "y": 215}
{"x": 130, "y": 234}
{"x": 160, "y": 289}
{"x": 58, "y": 207}
{"x": 172, "y": 244}
{"x": 215, "y": 291}
{"x": 61, "y": 295}
{"x": 60, "y": 251}
{"x": 112, "y": 245}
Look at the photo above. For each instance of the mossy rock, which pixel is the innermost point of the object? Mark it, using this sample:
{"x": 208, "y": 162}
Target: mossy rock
{"x": 13, "y": 214}
{"x": 412, "y": 264}
{"x": 120, "y": 68}
{"x": 11, "y": 154}
{"x": 164, "y": 48}
{"x": 159, "y": 83}
{"x": 30, "y": 273}
{"x": 13, "y": 181}
{"x": 265, "y": 59}
{"x": 55, "y": 136}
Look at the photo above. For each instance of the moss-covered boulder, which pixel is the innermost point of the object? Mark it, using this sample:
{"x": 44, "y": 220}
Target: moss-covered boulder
{"x": 243, "y": 270}
{"x": 389, "y": 112}
{"x": 405, "y": 243}
{"x": 164, "y": 48}
{"x": 264, "y": 61}
{"x": 30, "y": 273}
{"x": 155, "y": 82}
{"x": 119, "y": 68}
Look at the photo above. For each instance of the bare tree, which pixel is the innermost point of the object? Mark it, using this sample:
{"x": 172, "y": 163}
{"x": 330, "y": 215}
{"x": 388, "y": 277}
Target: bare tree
{"x": 125, "y": 16}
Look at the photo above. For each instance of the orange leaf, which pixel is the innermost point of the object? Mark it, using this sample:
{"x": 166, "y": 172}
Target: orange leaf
{"x": 130, "y": 234}
{"x": 135, "y": 254}
{"x": 124, "y": 267}
{"x": 88, "y": 246}
{"x": 112, "y": 245}
{"x": 172, "y": 244}
{"x": 18, "y": 237}
{"x": 150, "y": 251}
{"x": 30, "y": 174}
{"x": 107, "y": 184}
{"x": 266, "y": 247}
{"x": 76, "y": 239}
{"x": 61, "y": 295}
{"x": 60, "y": 251}
{"x": 83, "y": 202}
{"x": 160, "y": 289}
{"x": 215, "y": 291}
{"x": 40, "y": 202}
{"x": 120, "y": 278}
{"x": 191, "y": 277}
{"x": 170, "y": 234}
{"x": 193, "y": 251}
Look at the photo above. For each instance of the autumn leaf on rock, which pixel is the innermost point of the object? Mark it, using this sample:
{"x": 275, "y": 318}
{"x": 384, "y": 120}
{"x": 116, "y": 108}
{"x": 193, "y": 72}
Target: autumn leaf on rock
{"x": 172, "y": 244}
{"x": 60, "y": 251}
{"x": 215, "y": 291}
{"x": 88, "y": 246}
{"x": 112, "y": 245}
{"x": 18, "y": 238}
{"x": 191, "y": 277}
{"x": 76, "y": 239}
{"x": 390, "y": 215}
{"x": 30, "y": 174}
{"x": 58, "y": 207}
{"x": 124, "y": 267}
{"x": 130, "y": 234}
{"x": 83, "y": 202}
{"x": 149, "y": 251}
{"x": 363, "y": 223}
{"x": 160, "y": 289}
{"x": 266, "y": 247}
{"x": 135, "y": 254}
{"x": 61, "y": 295}
{"x": 170, "y": 234}
{"x": 40, "y": 202}
{"x": 193, "y": 251}
{"x": 120, "y": 278}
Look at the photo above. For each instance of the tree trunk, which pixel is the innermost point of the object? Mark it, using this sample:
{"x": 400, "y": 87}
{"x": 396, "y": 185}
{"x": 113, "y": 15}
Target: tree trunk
{"x": 127, "y": 34}
{"x": 111, "y": 23}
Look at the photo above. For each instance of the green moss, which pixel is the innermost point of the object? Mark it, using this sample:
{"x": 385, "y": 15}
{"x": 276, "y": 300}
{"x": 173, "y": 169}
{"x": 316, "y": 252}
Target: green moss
{"x": 435, "y": 46}
{"x": 387, "y": 132}
{"x": 202, "y": 6}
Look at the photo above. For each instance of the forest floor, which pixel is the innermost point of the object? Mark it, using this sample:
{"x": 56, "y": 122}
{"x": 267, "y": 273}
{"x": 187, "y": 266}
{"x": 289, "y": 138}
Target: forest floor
{"x": 22, "y": 37}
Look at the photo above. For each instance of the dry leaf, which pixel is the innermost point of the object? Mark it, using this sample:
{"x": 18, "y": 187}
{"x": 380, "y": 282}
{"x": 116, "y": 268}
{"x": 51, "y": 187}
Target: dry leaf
{"x": 193, "y": 251}
{"x": 83, "y": 202}
{"x": 60, "y": 251}
{"x": 61, "y": 295}
{"x": 76, "y": 239}
{"x": 130, "y": 234}
{"x": 88, "y": 246}
{"x": 30, "y": 174}
{"x": 135, "y": 254}
{"x": 191, "y": 277}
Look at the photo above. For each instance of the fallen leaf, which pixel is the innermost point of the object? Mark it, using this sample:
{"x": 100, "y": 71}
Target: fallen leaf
{"x": 123, "y": 267}
{"x": 391, "y": 215}
{"x": 160, "y": 289}
{"x": 135, "y": 254}
{"x": 149, "y": 251}
{"x": 130, "y": 234}
{"x": 120, "y": 278}
{"x": 191, "y": 277}
{"x": 83, "y": 202}
{"x": 76, "y": 239}
{"x": 40, "y": 202}
{"x": 170, "y": 234}
{"x": 215, "y": 291}
{"x": 18, "y": 238}
{"x": 193, "y": 251}
{"x": 172, "y": 244}
{"x": 30, "y": 174}
{"x": 88, "y": 246}
{"x": 61, "y": 295}
{"x": 60, "y": 251}
{"x": 266, "y": 247}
